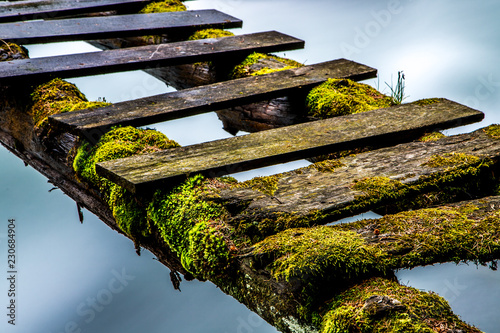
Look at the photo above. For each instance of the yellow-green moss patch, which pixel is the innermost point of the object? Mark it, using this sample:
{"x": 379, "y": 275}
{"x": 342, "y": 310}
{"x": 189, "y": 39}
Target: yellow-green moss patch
{"x": 329, "y": 165}
{"x": 210, "y": 33}
{"x": 493, "y": 131}
{"x": 317, "y": 252}
{"x": 434, "y": 136}
{"x": 418, "y": 312}
{"x": 11, "y": 51}
{"x": 258, "y": 64}
{"x": 267, "y": 185}
{"x": 129, "y": 213}
{"x": 163, "y": 7}
{"x": 192, "y": 227}
{"x": 451, "y": 159}
{"x": 58, "y": 96}
{"x": 338, "y": 97}
{"x": 428, "y": 101}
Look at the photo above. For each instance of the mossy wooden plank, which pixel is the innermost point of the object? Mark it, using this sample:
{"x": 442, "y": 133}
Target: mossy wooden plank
{"x": 114, "y": 26}
{"x": 49, "y": 9}
{"x": 207, "y": 98}
{"x": 146, "y": 56}
{"x": 280, "y": 145}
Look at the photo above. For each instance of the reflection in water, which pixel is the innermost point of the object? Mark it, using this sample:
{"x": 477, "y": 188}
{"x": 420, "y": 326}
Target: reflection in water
{"x": 68, "y": 272}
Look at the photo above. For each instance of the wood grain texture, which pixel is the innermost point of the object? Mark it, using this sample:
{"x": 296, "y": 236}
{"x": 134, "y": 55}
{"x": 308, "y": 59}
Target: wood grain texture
{"x": 150, "y": 56}
{"x": 188, "y": 102}
{"x": 114, "y": 26}
{"x": 49, "y": 9}
{"x": 284, "y": 144}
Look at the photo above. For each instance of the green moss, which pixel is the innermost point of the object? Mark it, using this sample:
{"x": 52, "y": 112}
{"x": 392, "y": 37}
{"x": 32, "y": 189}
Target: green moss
{"x": 381, "y": 187}
{"x": 210, "y": 33}
{"x": 192, "y": 227}
{"x": 11, "y": 51}
{"x": 208, "y": 253}
{"x": 428, "y": 101}
{"x": 493, "y": 131}
{"x": 58, "y": 96}
{"x": 338, "y": 97}
{"x": 420, "y": 311}
{"x": 315, "y": 253}
{"x": 163, "y": 7}
{"x": 257, "y": 64}
{"x": 328, "y": 165}
{"x": 267, "y": 185}
{"x": 120, "y": 142}
{"x": 451, "y": 159}
{"x": 228, "y": 180}
{"x": 434, "y": 136}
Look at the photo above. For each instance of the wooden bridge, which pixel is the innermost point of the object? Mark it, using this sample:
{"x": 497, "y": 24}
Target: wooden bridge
{"x": 241, "y": 153}
{"x": 385, "y": 127}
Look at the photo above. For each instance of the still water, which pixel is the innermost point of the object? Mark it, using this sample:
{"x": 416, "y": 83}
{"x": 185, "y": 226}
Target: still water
{"x": 87, "y": 277}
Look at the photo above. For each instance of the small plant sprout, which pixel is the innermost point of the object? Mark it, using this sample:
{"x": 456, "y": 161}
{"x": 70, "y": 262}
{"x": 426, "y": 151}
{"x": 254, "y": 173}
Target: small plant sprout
{"x": 398, "y": 92}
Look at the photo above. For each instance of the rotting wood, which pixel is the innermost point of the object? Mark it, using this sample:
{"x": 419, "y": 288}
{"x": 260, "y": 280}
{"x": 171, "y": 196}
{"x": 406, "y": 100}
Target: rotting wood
{"x": 43, "y": 9}
{"x": 222, "y": 157}
{"x": 146, "y": 56}
{"x": 188, "y": 102}
{"x": 32, "y": 32}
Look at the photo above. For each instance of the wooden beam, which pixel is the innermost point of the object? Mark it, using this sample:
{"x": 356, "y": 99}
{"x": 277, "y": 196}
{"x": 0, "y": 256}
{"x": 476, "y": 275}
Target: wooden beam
{"x": 188, "y": 102}
{"x": 49, "y": 9}
{"x": 114, "y": 26}
{"x": 142, "y": 57}
{"x": 222, "y": 157}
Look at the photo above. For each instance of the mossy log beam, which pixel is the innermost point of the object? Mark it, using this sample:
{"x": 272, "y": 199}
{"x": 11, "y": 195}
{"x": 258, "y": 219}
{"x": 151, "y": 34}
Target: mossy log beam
{"x": 130, "y": 25}
{"x": 222, "y": 157}
{"x": 386, "y": 180}
{"x": 188, "y": 102}
{"x": 45, "y": 9}
{"x": 134, "y": 58}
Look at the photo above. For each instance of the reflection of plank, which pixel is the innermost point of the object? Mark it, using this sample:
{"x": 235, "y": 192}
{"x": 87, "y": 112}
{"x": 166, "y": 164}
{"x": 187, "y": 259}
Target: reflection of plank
{"x": 216, "y": 96}
{"x": 44, "y": 9}
{"x": 147, "y": 56}
{"x": 114, "y": 26}
{"x": 284, "y": 144}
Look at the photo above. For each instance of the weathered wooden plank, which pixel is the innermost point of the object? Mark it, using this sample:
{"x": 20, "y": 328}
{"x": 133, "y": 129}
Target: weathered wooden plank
{"x": 280, "y": 145}
{"x": 49, "y": 9}
{"x": 211, "y": 97}
{"x": 114, "y": 26}
{"x": 146, "y": 56}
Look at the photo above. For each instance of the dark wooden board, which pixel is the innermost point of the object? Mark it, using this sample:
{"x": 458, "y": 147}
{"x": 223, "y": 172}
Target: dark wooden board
{"x": 142, "y": 57}
{"x": 206, "y": 98}
{"x": 114, "y": 26}
{"x": 284, "y": 144}
{"x": 49, "y": 9}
